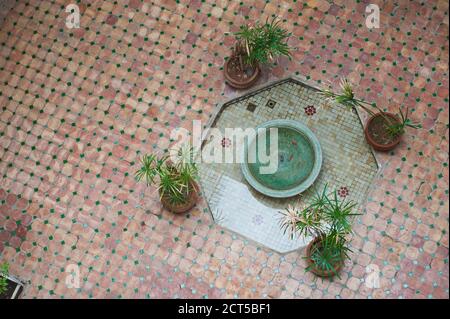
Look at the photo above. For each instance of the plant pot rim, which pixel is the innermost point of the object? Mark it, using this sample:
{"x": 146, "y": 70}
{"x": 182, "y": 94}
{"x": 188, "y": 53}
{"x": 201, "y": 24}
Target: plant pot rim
{"x": 372, "y": 141}
{"x": 184, "y": 207}
{"x": 240, "y": 84}
{"x": 315, "y": 270}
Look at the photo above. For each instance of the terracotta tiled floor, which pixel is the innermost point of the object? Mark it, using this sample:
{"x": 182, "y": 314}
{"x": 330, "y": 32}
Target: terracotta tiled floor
{"x": 80, "y": 106}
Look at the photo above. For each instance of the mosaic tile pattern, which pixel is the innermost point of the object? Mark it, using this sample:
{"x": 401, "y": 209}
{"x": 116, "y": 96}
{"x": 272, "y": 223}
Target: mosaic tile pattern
{"x": 5, "y": 6}
{"x": 348, "y": 162}
{"x": 14, "y": 220}
{"x": 79, "y": 106}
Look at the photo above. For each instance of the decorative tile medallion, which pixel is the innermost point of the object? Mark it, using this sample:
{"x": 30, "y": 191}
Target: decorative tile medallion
{"x": 310, "y": 110}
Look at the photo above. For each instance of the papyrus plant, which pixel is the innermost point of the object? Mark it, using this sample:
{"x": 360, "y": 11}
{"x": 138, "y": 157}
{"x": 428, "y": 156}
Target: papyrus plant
{"x": 347, "y": 98}
{"x": 326, "y": 218}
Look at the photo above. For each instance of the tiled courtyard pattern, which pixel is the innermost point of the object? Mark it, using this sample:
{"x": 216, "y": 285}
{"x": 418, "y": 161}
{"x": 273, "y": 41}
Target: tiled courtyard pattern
{"x": 80, "y": 106}
{"x": 348, "y": 161}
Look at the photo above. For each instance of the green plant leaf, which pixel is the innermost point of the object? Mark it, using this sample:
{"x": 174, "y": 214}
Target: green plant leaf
{"x": 4, "y": 272}
{"x": 263, "y": 43}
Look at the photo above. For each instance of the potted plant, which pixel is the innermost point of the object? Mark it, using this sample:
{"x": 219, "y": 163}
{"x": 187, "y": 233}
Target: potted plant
{"x": 10, "y": 287}
{"x": 178, "y": 189}
{"x": 383, "y": 130}
{"x": 255, "y": 45}
{"x": 327, "y": 220}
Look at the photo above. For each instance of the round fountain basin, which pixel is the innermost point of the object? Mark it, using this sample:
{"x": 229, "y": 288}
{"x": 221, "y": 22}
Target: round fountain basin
{"x": 298, "y": 159}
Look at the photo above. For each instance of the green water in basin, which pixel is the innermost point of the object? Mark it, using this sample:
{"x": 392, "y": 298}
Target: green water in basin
{"x": 295, "y": 160}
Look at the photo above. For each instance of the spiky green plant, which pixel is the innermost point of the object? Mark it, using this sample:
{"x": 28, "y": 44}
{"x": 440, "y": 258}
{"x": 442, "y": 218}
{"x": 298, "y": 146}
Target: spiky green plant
{"x": 262, "y": 43}
{"x": 347, "y": 98}
{"x": 331, "y": 252}
{"x": 398, "y": 128}
{"x": 327, "y": 218}
{"x": 4, "y": 272}
{"x": 175, "y": 175}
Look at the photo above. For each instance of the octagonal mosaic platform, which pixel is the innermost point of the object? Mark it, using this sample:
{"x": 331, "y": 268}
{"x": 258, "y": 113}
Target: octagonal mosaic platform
{"x": 349, "y": 165}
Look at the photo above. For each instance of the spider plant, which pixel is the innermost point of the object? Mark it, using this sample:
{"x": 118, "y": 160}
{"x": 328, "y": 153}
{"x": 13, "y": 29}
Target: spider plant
{"x": 326, "y": 218}
{"x": 261, "y": 43}
{"x": 4, "y": 271}
{"x": 347, "y": 98}
{"x": 175, "y": 174}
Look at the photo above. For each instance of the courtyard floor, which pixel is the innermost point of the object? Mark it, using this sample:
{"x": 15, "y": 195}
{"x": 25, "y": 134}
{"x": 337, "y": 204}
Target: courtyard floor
{"x": 80, "y": 106}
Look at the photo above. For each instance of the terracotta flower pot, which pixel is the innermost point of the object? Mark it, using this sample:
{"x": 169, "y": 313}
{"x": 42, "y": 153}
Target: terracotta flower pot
{"x": 239, "y": 80}
{"x": 314, "y": 269}
{"x": 190, "y": 202}
{"x": 373, "y": 125}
